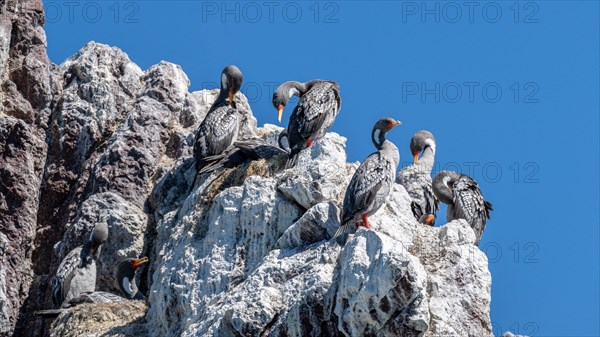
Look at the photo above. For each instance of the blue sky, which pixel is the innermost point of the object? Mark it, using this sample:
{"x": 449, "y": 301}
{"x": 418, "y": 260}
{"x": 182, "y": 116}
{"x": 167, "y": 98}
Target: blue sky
{"x": 510, "y": 90}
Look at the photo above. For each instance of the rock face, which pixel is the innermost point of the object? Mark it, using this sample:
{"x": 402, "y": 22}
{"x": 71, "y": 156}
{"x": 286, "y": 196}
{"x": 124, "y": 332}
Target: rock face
{"x": 26, "y": 97}
{"x": 244, "y": 252}
{"x": 254, "y": 261}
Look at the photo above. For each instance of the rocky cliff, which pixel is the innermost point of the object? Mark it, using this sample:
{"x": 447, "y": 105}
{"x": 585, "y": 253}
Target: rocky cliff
{"x": 244, "y": 252}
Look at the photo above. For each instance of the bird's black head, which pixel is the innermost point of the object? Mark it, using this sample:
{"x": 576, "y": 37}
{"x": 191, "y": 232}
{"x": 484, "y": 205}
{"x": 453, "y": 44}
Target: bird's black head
{"x": 126, "y": 276}
{"x": 279, "y": 101}
{"x": 443, "y": 186}
{"x": 386, "y": 124}
{"x": 421, "y": 140}
{"x": 381, "y": 127}
{"x": 283, "y": 93}
{"x": 231, "y": 81}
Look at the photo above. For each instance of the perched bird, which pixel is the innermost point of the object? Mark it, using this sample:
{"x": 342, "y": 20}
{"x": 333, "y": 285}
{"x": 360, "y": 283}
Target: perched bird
{"x": 372, "y": 181}
{"x": 427, "y": 219}
{"x": 464, "y": 200}
{"x": 242, "y": 152}
{"x": 416, "y": 178}
{"x": 219, "y": 129}
{"x": 125, "y": 278}
{"x": 319, "y": 104}
{"x": 76, "y": 273}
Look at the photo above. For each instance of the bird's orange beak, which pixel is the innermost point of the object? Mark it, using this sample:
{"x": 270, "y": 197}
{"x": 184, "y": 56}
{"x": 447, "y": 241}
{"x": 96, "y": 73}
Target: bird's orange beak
{"x": 139, "y": 262}
{"x": 391, "y": 124}
{"x": 280, "y": 110}
{"x": 430, "y": 220}
{"x": 416, "y": 155}
{"x": 231, "y": 94}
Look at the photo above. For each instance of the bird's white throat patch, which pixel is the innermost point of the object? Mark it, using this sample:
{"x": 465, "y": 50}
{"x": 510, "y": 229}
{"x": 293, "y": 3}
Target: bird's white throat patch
{"x": 446, "y": 181}
{"x": 376, "y": 135}
{"x": 224, "y": 81}
{"x": 429, "y": 142}
{"x": 292, "y": 92}
{"x": 127, "y": 286}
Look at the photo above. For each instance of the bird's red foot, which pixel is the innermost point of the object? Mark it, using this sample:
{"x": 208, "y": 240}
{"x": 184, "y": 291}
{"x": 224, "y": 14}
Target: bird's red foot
{"x": 366, "y": 221}
{"x": 309, "y": 142}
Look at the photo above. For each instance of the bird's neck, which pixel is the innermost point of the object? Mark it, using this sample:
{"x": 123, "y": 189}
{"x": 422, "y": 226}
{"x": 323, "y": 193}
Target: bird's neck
{"x": 223, "y": 95}
{"x": 129, "y": 287}
{"x": 222, "y": 100}
{"x": 391, "y": 151}
{"x": 378, "y": 138}
{"x": 295, "y": 88}
{"x": 442, "y": 190}
{"x": 427, "y": 159}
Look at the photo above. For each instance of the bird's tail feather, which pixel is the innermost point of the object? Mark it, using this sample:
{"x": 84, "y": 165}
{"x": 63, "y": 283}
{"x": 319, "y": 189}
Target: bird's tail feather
{"x": 245, "y": 146}
{"x": 49, "y": 313}
{"x": 210, "y": 167}
{"x": 205, "y": 167}
{"x": 292, "y": 160}
{"x": 488, "y": 208}
{"x": 212, "y": 163}
{"x": 342, "y": 232}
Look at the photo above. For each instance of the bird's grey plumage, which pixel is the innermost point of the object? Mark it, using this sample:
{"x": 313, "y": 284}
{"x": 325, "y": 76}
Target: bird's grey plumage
{"x": 126, "y": 278}
{"x": 76, "y": 273}
{"x": 372, "y": 181}
{"x": 416, "y": 178}
{"x": 319, "y": 104}
{"x": 464, "y": 199}
{"x": 73, "y": 279}
{"x": 219, "y": 129}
